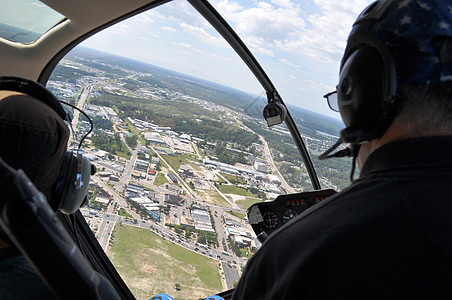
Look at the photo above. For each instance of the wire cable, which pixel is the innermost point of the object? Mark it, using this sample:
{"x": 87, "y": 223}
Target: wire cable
{"x": 89, "y": 119}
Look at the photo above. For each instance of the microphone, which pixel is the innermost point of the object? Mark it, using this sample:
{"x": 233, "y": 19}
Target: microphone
{"x": 349, "y": 135}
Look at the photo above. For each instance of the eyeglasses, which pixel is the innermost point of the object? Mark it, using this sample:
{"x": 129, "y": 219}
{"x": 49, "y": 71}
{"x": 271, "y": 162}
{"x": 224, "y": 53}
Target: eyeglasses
{"x": 332, "y": 101}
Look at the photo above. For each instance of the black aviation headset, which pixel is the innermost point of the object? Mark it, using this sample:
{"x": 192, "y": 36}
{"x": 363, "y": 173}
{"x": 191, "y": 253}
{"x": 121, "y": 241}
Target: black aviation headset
{"x": 72, "y": 183}
{"x": 367, "y": 89}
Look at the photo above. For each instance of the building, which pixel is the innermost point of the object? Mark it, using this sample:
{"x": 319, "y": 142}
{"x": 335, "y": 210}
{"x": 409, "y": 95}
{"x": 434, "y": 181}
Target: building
{"x": 173, "y": 178}
{"x": 173, "y": 188}
{"x": 185, "y": 171}
{"x": 114, "y": 178}
{"x": 274, "y": 179}
{"x": 145, "y": 150}
{"x": 173, "y": 199}
{"x": 185, "y": 136}
{"x": 154, "y": 138}
{"x": 260, "y": 167}
{"x": 171, "y": 133}
{"x": 241, "y": 241}
{"x": 133, "y": 190}
{"x": 202, "y": 220}
{"x": 141, "y": 165}
{"x": 152, "y": 207}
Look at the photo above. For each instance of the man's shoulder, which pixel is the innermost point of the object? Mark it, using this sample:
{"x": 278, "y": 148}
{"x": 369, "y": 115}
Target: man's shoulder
{"x": 340, "y": 215}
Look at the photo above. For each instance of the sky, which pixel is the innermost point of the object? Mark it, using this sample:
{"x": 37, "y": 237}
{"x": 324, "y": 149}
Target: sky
{"x": 298, "y": 43}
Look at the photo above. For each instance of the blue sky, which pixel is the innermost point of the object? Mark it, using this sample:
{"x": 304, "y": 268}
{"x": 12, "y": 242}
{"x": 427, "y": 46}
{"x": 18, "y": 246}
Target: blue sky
{"x": 298, "y": 43}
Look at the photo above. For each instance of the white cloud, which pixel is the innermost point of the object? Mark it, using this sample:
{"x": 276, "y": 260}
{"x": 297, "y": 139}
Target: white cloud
{"x": 289, "y": 63}
{"x": 178, "y": 12}
{"x": 203, "y": 35}
{"x": 286, "y": 25}
{"x": 184, "y": 45}
{"x": 283, "y": 3}
{"x": 269, "y": 23}
{"x": 185, "y": 52}
{"x": 320, "y": 86}
{"x": 145, "y": 17}
{"x": 121, "y": 29}
{"x": 170, "y": 29}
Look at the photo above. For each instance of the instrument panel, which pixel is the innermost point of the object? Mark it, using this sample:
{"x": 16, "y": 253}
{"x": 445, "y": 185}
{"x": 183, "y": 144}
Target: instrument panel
{"x": 266, "y": 217}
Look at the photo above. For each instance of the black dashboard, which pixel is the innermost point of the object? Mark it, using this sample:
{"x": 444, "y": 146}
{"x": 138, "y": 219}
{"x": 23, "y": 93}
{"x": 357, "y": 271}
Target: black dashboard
{"x": 266, "y": 217}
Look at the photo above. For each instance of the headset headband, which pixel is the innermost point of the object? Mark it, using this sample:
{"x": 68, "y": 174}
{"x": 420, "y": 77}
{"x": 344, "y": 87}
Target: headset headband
{"x": 34, "y": 89}
{"x": 362, "y": 36}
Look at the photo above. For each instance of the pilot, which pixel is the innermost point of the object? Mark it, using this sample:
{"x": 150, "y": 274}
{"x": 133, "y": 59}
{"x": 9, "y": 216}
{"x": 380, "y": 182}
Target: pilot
{"x": 388, "y": 235}
{"x": 34, "y": 139}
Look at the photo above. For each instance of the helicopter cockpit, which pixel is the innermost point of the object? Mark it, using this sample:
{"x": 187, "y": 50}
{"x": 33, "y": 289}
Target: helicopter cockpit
{"x": 186, "y": 157}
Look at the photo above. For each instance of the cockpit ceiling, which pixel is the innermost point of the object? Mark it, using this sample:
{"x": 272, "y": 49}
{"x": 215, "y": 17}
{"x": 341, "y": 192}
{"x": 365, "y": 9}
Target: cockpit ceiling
{"x": 95, "y": 12}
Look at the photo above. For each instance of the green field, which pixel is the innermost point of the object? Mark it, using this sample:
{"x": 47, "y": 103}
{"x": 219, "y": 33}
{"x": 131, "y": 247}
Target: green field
{"x": 236, "y": 214}
{"x": 232, "y": 189}
{"x": 178, "y": 160}
{"x": 213, "y": 197}
{"x": 160, "y": 179}
{"x": 244, "y": 204}
{"x": 124, "y": 213}
{"x": 233, "y": 179}
{"x": 151, "y": 265}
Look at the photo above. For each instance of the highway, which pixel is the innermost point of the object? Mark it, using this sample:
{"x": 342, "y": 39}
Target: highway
{"x": 271, "y": 163}
{"x": 81, "y": 103}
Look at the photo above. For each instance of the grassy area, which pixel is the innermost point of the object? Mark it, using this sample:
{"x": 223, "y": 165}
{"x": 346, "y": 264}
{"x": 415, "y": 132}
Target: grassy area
{"x": 236, "y": 214}
{"x": 124, "y": 213}
{"x": 178, "y": 160}
{"x": 232, "y": 189}
{"x": 160, "y": 179}
{"x": 244, "y": 204}
{"x": 246, "y": 253}
{"x": 151, "y": 265}
{"x": 196, "y": 167}
{"x": 124, "y": 153}
{"x": 213, "y": 197}
{"x": 234, "y": 179}
{"x": 134, "y": 131}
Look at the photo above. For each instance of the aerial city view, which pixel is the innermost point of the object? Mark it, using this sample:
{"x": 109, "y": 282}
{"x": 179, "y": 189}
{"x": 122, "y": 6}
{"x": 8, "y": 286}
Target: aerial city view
{"x": 179, "y": 160}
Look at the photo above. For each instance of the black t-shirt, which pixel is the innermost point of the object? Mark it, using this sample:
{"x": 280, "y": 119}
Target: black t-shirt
{"x": 387, "y": 236}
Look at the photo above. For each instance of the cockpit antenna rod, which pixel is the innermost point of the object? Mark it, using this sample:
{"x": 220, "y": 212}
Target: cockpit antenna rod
{"x": 217, "y": 21}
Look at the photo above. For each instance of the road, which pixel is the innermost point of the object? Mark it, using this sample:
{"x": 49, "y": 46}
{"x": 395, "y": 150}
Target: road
{"x": 231, "y": 274}
{"x": 126, "y": 174}
{"x": 81, "y": 103}
{"x": 271, "y": 163}
{"x": 184, "y": 185}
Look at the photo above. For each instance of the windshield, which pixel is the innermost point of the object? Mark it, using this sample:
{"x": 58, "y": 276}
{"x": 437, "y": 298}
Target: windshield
{"x": 24, "y": 21}
{"x": 182, "y": 150}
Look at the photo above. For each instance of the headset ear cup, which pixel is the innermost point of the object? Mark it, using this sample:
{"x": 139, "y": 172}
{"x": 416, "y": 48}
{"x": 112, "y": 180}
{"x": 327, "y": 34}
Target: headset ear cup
{"x": 361, "y": 93}
{"x": 75, "y": 194}
{"x": 68, "y": 196}
{"x": 68, "y": 167}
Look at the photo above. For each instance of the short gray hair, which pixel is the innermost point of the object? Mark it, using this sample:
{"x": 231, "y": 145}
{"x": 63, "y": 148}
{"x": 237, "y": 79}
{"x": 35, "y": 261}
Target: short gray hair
{"x": 429, "y": 106}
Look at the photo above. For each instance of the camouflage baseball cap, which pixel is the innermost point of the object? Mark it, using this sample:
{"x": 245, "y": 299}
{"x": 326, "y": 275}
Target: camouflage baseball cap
{"x": 410, "y": 30}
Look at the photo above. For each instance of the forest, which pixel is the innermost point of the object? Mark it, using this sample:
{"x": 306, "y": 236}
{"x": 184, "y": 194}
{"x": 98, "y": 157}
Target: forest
{"x": 111, "y": 144}
{"x": 182, "y": 117}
